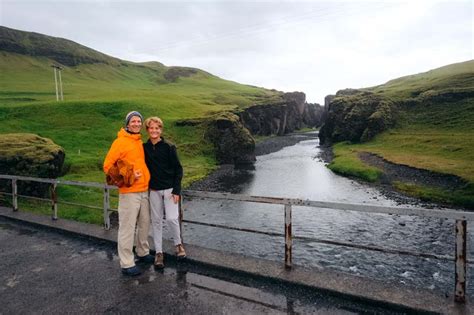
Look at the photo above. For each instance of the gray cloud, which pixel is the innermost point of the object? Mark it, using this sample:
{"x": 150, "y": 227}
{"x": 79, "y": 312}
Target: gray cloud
{"x": 312, "y": 46}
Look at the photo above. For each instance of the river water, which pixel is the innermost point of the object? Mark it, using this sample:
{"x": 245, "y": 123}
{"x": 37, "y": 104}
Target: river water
{"x": 297, "y": 172}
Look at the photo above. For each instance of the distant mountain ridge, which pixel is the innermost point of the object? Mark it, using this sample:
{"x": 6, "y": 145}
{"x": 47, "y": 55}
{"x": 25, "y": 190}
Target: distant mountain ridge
{"x": 71, "y": 54}
{"x": 64, "y": 51}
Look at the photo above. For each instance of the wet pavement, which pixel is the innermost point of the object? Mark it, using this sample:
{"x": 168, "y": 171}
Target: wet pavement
{"x": 43, "y": 271}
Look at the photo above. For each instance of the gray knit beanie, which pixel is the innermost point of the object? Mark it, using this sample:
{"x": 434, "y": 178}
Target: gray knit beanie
{"x": 130, "y": 115}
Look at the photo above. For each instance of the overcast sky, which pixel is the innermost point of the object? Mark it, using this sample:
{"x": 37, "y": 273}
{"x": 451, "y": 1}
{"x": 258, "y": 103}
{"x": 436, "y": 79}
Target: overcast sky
{"x": 317, "y": 47}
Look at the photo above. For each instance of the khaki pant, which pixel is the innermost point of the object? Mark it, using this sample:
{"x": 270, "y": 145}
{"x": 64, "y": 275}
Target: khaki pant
{"x": 134, "y": 211}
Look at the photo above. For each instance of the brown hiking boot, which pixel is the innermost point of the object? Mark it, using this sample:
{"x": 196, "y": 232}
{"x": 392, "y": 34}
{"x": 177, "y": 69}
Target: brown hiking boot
{"x": 159, "y": 260}
{"x": 180, "y": 253}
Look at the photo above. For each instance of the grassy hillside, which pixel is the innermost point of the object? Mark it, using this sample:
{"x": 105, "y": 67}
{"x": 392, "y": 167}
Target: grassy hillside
{"x": 435, "y": 132}
{"x": 99, "y": 91}
{"x": 457, "y": 78}
{"x": 97, "y": 98}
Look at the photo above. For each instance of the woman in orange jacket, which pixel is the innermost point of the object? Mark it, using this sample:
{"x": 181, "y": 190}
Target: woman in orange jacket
{"x": 133, "y": 207}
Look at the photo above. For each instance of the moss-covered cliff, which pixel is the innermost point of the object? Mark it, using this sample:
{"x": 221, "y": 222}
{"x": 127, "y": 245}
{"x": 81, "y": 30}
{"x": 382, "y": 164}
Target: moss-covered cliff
{"x": 357, "y": 117}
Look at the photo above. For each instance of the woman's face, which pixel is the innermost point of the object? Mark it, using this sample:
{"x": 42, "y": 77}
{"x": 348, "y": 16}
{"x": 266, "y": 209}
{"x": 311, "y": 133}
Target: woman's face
{"x": 154, "y": 130}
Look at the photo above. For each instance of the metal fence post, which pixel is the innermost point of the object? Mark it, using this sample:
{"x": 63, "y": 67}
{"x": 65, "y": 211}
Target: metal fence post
{"x": 106, "y": 208}
{"x": 288, "y": 236}
{"x": 15, "y": 194}
{"x": 460, "y": 268}
{"x": 54, "y": 201}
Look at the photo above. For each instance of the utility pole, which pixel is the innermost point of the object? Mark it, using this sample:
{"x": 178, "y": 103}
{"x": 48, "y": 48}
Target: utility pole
{"x": 59, "y": 95}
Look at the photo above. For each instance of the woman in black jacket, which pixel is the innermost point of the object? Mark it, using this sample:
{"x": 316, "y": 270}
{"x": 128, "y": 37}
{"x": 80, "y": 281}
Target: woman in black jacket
{"x": 165, "y": 187}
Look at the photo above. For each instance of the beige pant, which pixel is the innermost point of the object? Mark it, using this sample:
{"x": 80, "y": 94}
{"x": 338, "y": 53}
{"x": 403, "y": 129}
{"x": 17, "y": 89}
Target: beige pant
{"x": 134, "y": 211}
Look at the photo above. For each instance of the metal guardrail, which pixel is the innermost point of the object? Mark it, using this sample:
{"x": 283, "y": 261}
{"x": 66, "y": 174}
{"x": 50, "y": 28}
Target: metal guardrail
{"x": 54, "y": 200}
{"x": 460, "y": 217}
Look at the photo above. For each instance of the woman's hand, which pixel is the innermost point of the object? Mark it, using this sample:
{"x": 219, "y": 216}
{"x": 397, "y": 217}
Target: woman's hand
{"x": 138, "y": 173}
{"x": 175, "y": 198}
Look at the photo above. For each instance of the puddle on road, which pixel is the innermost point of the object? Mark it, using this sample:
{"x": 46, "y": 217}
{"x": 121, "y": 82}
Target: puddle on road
{"x": 18, "y": 230}
{"x": 253, "y": 295}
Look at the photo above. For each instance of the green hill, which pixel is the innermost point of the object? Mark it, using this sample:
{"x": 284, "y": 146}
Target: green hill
{"x": 451, "y": 79}
{"x": 429, "y": 125}
{"x": 98, "y": 92}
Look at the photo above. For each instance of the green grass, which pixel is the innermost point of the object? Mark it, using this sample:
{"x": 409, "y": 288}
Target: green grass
{"x": 454, "y": 77}
{"x": 435, "y": 131}
{"x": 435, "y": 137}
{"x": 461, "y": 197}
{"x": 347, "y": 163}
{"x": 97, "y": 98}
{"x": 68, "y": 212}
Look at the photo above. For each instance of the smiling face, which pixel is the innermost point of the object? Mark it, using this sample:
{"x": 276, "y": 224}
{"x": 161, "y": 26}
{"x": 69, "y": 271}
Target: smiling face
{"x": 154, "y": 130}
{"x": 135, "y": 124}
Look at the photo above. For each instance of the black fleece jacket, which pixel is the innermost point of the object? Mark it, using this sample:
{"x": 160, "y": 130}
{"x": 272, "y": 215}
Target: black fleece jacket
{"x": 164, "y": 166}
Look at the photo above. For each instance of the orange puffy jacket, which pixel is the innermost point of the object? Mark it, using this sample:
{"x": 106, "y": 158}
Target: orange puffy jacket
{"x": 129, "y": 148}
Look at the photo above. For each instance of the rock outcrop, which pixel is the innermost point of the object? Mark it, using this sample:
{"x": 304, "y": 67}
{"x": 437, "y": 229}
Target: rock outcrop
{"x": 356, "y": 116}
{"x": 282, "y": 117}
{"x": 231, "y": 133}
{"x": 30, "y": 155}
{"x": 174, "y": 73}
{"x": 313, "y": 115}
{"x": 232, "y": 141}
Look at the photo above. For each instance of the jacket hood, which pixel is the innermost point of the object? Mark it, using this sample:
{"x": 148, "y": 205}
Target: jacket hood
{"x": 123, "y": 133}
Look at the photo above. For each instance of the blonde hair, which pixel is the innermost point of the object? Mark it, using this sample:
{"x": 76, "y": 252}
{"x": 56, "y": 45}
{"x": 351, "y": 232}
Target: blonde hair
{"x": 153, "y": 119}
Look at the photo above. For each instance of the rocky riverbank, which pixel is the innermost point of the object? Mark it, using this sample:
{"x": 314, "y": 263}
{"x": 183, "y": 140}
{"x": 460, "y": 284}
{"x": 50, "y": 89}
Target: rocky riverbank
{"x": 411, "y": 175}
{"x": 216, "y": 181}
{"x": 385, "y": 184}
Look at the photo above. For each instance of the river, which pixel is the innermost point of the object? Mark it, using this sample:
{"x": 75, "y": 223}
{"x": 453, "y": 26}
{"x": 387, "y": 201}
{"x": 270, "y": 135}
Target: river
{"x": 297, "y": 172}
